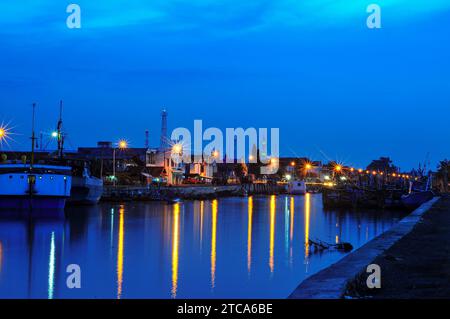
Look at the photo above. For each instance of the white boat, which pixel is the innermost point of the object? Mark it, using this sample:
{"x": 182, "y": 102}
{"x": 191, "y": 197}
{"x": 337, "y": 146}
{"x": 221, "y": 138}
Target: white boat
{"x": 296, "y": 187}
{"x": 26, "y": 187}
{"x": 34, "y": 187}
{"x": 86, "y": 189}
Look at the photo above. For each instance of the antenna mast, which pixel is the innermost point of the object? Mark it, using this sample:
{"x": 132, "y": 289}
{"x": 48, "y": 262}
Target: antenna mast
{"x": 33, "y": 137}
{"x": 59, "y": 131}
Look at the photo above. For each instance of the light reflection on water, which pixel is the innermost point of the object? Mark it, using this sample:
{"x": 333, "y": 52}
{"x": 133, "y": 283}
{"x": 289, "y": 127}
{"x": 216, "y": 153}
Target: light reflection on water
{"x": 255, "y": 247}
{"x": 120, "y": 252}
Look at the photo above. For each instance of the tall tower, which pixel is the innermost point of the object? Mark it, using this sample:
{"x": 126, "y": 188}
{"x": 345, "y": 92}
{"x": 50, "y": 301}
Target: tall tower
{"x": 147, "y": 143}
{"x": 163, "y": 143}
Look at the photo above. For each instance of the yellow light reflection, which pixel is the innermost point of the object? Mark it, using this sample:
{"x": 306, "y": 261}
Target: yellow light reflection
{"x": 249, "y": 233}
{"x": 213, "y": 243}
{"x": 272, "y": 233}
{"x": 202, "y": 210}
{"x": 175, "y": 246}
{"x": 291, "y": 231}
{"x": 307, "y": 220}
{"x": 292, "y": 218}
{"x": 120, "y": 252}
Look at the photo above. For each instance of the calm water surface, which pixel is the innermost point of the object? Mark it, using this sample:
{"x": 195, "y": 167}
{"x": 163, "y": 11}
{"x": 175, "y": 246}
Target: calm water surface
{"x": 234, "y": 247}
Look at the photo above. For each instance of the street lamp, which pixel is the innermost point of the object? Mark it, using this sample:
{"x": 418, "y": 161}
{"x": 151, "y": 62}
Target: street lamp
{"x": 176, "y": 149}
{"x": 5, "y": 133}
{"x": 122, "y": 144}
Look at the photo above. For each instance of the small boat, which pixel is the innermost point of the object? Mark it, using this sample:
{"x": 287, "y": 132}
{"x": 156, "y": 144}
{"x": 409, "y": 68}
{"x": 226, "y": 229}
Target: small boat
{"x": 86, "y": 189}
{"x": 416, "y": 197}
{"x": 296, "y": 187}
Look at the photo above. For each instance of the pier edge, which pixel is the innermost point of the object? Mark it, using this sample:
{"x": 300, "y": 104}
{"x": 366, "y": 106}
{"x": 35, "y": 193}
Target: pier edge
{"x": 331, "y": 282}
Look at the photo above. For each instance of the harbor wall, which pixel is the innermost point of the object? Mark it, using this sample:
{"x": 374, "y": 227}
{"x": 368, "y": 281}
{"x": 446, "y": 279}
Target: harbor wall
{"x": 331, "y": 282}
{"x": 187, "y": 192}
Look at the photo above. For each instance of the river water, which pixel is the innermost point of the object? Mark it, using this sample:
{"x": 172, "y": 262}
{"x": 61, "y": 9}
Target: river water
{"x": 227, "y": 248}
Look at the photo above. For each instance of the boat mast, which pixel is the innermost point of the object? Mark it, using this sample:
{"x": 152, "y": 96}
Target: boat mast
{"x": 33, "y": 138}
{"x": 60, "y": 133}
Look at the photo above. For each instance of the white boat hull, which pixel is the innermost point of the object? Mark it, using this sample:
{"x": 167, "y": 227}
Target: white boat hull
{"x": 86, "y": 190}
{"x": 44, "y": 187}
{"x": 296, "y": 188}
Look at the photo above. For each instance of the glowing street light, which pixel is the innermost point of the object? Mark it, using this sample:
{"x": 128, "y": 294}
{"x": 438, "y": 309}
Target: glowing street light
{"x": 122, "y": 144}
{"x": 216, "y": 154}
{"x": 292, "y": 163}
{"x": 338, "y": 168}
{"x": 177, "y": 148}
{"x": 5, "y": 133}
{"x": 55, "y": 134}
{"x": 308, "y": 166}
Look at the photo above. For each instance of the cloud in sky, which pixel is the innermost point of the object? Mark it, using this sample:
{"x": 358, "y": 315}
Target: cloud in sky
{"x": 213, "y": 15}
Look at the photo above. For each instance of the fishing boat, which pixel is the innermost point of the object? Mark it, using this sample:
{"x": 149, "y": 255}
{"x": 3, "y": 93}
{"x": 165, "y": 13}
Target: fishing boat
{"x": 418, "y": 195}
{"x": 416, "y": 199}
{"x": 296, "y": 187}
{"x": 30, "y": 186}
{"x": 86, "y": 189}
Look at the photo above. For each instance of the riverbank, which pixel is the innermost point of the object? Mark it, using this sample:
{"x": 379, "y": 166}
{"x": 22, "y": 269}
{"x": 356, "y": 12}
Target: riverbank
{"x": 417, "y": 266}
{"x": 346, "y": 277}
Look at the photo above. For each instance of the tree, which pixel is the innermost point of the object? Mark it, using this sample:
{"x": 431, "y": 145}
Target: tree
{"x": 241, "y": 171}
{"x": 384, "y": 164}
{"x": 443, "y": 174}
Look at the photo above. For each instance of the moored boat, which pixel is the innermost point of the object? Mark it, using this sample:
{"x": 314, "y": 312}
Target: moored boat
{"x": 86, "y": 189}
{"x": 296, "y": 187}
{"x": 416, "y": 199}
{"x": 418, "y": 195}
{"x": 25, "y": 187}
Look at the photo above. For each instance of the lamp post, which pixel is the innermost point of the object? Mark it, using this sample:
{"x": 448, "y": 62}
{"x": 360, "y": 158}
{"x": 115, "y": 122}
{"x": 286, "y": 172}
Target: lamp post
{"x": 308, "y": 167}
{"x": 3, "y": 135}
{"x": 176, "y": 158}
{"x": 122, "y": 144}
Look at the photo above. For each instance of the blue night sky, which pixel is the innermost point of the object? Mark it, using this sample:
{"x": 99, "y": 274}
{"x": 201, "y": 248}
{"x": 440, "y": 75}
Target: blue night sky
{"x": 311, "y": 68}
